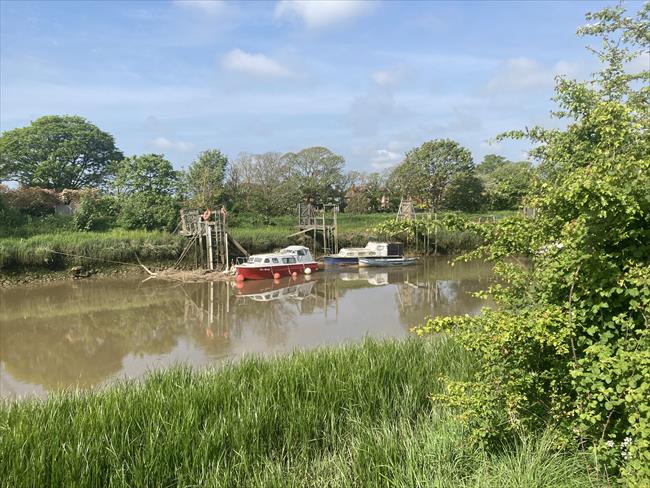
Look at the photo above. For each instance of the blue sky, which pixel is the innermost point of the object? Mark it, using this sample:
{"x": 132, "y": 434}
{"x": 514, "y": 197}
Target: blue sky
{"x": 369, "y": 80}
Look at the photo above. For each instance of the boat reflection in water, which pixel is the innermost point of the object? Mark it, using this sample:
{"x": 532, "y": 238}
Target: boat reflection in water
{"x": 87, "y": 333}
{"x": 297, "y": 288}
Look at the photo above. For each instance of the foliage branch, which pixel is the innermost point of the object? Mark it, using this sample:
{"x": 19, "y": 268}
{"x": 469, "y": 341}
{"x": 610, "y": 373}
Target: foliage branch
{"x": 569, "y": 345}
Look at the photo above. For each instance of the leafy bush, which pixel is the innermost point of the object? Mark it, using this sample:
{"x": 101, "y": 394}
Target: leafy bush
{"x": 32, "y": 201}
{"x": 570, "y": 344}
{"x": 148, "y": 211}
{"x": 446, "y": 234}
{"x": 95, "y": 211}
{"x": 8, "y": 216}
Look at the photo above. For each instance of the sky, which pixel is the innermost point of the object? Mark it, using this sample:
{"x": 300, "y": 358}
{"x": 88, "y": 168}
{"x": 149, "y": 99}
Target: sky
{"x": 368, "y": 80}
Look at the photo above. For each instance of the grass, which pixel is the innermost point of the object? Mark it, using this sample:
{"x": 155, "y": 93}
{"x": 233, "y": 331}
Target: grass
{"x": 29, "y": 226}
{"x": 60, "y": 250}
{"x": 352, "y": 416}
{"x": 354, "y": 230}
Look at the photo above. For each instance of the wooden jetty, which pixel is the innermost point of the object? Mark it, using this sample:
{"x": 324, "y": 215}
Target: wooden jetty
{"x": 209, "y": 236}
{"x": 320, "y": 223}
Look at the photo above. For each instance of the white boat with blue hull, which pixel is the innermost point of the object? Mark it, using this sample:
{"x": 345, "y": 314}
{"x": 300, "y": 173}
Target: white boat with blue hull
{"x": 387, "y": 261}
{"x": 349, "y": 256}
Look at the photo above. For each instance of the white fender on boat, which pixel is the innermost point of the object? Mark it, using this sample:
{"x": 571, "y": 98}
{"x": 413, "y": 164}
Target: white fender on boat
{"x": 307, "y": 271}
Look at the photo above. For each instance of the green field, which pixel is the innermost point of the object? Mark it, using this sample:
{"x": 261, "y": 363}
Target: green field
{"x": 352, "y": 416}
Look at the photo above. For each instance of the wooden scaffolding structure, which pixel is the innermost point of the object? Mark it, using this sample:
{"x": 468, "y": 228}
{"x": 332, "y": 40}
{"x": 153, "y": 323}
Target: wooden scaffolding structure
{"x": 406, "y": 209}
{"x": 320, "y": 223}
{"x": 209, "y": 237}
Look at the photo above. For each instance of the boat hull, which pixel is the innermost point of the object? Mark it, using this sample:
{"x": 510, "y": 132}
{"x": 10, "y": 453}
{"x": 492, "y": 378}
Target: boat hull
{"x": 384, "y": 261}
{"x": 268, "y": 272}
{"x": 340, "y": 261}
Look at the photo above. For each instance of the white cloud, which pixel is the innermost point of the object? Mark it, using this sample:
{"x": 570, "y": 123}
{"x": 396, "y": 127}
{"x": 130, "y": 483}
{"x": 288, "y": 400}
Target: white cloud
{"x": 384, "y": 158}
{"x": 166, "y": 144}
{"x": 254, "y": 64}
{"x": 525, "y": 74}
{"x": 209, "y": 7}
{"x": 388, "y": 78}
{"x": 321, "y": 13}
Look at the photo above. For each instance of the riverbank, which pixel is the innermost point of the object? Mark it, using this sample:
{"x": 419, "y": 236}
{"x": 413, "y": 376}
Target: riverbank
{"x": 51, "y": 256}
{"x": 356, "y": 415}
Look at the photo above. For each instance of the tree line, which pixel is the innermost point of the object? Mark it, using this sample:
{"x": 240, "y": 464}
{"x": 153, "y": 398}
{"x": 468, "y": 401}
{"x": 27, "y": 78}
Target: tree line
{"x": 145, "y": 191}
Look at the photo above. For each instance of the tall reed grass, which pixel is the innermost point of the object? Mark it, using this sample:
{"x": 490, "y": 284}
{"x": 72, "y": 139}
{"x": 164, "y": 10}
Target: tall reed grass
{"x": 56, "y": 251}
{"x": 352, "y": 416}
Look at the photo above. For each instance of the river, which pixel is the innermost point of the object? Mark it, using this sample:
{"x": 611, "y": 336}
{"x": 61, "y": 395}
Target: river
{"x": 87, "y": 333}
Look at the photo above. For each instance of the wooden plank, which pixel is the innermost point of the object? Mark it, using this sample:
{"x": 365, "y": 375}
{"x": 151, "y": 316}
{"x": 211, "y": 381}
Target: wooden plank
{"x": 209, "y": 245}
{"x": 237, "y": 245}
{"x": 304, "y": 231}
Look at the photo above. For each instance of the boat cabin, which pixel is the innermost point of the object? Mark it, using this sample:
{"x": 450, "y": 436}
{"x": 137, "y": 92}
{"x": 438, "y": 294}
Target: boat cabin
{"x": 288, "y": 255}
{"x": 379, "y": 249}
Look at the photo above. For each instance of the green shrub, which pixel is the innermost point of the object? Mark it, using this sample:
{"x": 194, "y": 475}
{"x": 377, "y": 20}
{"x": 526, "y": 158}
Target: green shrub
{"x": 95, "y": 211}
{"x": 148, "y": 211}
{"x": 9, "y": 217}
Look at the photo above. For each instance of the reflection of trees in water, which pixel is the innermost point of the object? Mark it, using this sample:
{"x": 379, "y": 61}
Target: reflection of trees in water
{"x": 440, "y": 288}
{"x": 93, "y": 327}
{"x": 79, "y": 334}
{"x": 439, "y": 298}
{"x": 84, "y": 349}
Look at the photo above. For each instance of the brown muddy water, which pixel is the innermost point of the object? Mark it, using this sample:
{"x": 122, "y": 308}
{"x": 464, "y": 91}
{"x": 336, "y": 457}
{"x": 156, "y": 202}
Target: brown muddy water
{"x": 89, "y": 333}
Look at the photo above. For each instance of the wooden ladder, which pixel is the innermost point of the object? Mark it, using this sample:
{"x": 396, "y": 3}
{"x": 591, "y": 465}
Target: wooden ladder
{"x": 216, "y": 244}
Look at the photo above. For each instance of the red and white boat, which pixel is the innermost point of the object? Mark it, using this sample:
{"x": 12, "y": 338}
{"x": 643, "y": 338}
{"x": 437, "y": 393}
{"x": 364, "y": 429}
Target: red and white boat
{"x": 292, "y": 259}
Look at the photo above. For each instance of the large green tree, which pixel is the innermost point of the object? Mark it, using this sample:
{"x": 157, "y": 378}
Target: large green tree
{"x": 506, "y": 183}
{"x": 58, "y": 152}
{"x": 204, "y": 180}
{"x": 264, "y": 184}
{"x": 428, "y": 170}
{"x": 145, "y": 187}
{"x": 149, "y": 173}
{"x": 318, "y": 173}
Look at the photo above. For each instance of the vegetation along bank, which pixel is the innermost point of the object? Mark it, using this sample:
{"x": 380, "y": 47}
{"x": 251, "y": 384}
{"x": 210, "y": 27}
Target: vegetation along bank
{"x": 357, "y": 415}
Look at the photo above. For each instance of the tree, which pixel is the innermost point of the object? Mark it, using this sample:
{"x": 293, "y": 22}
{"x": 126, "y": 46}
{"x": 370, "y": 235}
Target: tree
{"x": 364, "y": 192}
{"x": 149, "y": 173}
{"x": 506, "y": 183}
{"x": 146, "y": 186}
{"x": 265, "y": 183}
{"x": 58, "y": 152}
{"x": 490, "y": 163}
{"x": 428, "y": 170}
{"x": 318, "y": 174}
{"x": 204, "y": 180}
{"x": 358, "y": 202}
{"x": 465, "y": 193}
{"x": 569, "y": 345}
